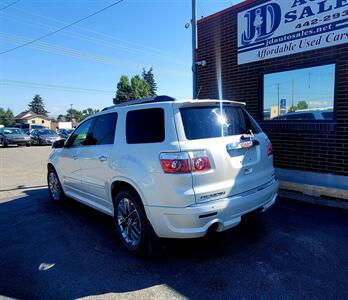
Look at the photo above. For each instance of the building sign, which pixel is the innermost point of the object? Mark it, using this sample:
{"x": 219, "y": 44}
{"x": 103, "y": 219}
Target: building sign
{"x": 282, "y": 27}
{"x": 282, "y": 107}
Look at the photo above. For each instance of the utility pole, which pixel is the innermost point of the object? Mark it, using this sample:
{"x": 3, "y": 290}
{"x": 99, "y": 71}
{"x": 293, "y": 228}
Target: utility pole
{"x": 71, "y": 115}
{"x": 292, "y": 92}
{"x": 194, "y": 46}
{"x": 309, "y": 80}
{"x": 278, "y": 100}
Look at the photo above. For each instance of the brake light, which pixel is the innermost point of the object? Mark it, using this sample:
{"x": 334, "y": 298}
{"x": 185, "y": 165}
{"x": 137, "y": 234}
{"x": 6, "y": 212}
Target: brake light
{"x": 269, "y": 148}
{"x": 185, "y": 162}
{"x": 199, "y": 161}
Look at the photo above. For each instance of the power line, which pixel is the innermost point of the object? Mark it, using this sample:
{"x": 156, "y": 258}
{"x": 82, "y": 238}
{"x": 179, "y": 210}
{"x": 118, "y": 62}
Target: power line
{"x": 99, "y": 41}
{"x": 53, "y": 87}
{"x": 59, "y": 50}
{"x": 101, "y": 34}
{"x": 9, "y": 5}
{"x": 62, "y": 28}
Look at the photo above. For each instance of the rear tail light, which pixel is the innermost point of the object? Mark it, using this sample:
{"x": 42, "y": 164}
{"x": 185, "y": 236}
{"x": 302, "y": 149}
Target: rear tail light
{"x": 185, "y": 162}
{"x": 175, "y": 162}
{"x": 199, "y": 161}
{"x": 269, "y": 148}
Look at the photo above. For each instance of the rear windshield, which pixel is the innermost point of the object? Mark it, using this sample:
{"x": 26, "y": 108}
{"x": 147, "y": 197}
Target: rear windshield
{"x": 215, "y": 121}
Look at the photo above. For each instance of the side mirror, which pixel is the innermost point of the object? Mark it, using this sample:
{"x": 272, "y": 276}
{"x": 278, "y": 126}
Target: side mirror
{"x": 58, "y": 144}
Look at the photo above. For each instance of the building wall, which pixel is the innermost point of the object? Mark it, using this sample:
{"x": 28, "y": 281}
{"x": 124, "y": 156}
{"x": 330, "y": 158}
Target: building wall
{"x": 38, "y": 121}
{"x": 314, "y": 146}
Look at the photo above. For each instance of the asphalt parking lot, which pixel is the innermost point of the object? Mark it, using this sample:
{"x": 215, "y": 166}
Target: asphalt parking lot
{"x": 295, "y": 250}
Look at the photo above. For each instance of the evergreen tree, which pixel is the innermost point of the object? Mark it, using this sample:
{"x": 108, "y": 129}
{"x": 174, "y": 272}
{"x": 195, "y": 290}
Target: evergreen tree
{"x": 124, "y": 90}
{"x": 140, "y": 88}
{"x": 150, "y": 79}
{"x": 37, "y": 106}
{"x": 6, "y": 117}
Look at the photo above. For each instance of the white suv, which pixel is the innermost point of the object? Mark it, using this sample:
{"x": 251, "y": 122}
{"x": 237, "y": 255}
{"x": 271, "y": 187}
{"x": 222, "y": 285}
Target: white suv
{"x": 173, "y": 167}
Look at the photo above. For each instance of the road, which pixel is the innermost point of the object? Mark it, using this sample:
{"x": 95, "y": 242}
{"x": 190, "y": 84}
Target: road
{"x": 52, "y": 251}
{"x": 22, "y": 167}
{"x": 295, "y": 250}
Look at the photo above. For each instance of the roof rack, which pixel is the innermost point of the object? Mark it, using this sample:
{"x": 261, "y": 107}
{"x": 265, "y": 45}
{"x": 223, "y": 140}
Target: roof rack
{"x": 162, "y": 98}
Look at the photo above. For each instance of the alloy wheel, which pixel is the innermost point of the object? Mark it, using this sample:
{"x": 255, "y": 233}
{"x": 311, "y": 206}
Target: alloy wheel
{"x": 128, "y": 221}
{"x": 54, "y": 185}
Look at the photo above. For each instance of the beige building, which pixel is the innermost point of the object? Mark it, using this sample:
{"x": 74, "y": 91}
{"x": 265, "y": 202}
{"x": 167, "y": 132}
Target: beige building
{"x": 29, "y": 117}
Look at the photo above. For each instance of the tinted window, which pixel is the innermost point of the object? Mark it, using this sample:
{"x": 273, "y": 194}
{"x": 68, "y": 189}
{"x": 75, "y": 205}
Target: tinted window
{"x": 78, "y": 138}
{"x": 46, "y": 132}
{"x": 145, "y": 126}
{"x": 213, "y": 121}
{"x": 103, "y": 131}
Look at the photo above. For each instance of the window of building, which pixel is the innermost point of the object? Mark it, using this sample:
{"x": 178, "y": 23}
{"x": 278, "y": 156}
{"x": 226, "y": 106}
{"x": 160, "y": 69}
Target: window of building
{"x": 302, "y": 94}
{"x": 32, "y": 121}
{"x": 103, "y": 132}
{"x": 145, "y": 126}
{"x": 43, "y": 121}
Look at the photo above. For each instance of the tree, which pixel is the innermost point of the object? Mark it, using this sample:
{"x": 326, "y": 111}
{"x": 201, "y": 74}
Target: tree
{"x": 89, "y": 111}
{"x": 61, "y": 118}
{"x": 150, "y": 79}
{"x": 37, "y": 106}
{"x": 140, "y": 88}
{"x": 6, "y": 117}
{"x": 124, "y": 90}
{"x": 74, "y": 114}
{"x": 292, "y": 108}
{"x": 302, "y": 105}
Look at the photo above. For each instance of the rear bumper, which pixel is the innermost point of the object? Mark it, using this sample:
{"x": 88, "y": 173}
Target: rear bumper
{"x": 194, "y": 221}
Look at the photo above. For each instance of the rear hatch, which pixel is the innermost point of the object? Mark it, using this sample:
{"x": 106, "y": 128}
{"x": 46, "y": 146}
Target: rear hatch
{"x": 240, "y": 154}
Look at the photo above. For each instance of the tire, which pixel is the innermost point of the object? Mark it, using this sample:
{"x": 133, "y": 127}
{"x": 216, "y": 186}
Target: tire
{"x": 54, "y": 186}
{"x": 28, "y": 145}
{"x": 131, "y": 222}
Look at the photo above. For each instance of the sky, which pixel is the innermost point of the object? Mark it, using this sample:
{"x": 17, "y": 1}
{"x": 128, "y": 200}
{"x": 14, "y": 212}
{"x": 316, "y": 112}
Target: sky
{"x": 82, "y": 64}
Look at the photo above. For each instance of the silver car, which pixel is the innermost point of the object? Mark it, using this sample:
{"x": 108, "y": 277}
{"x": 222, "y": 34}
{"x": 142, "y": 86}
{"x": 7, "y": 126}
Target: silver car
{"x": 14, "y": 136}
{"x": 168, "y": 168}
{"x": 43, "y": 137}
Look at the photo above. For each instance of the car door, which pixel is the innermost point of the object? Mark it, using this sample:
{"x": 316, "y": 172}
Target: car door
{"x": 68, "y": 158}
{"x": 95, "y": 157}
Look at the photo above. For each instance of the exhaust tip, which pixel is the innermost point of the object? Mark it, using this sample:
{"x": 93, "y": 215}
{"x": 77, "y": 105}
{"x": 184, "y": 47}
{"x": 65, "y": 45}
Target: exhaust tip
{"x": 214, "y": 228}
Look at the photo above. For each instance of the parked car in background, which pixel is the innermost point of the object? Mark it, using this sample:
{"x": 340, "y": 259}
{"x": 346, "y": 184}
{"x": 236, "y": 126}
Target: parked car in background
{"x": 14, "y": 136}
{"x": 308, "y": 114}
{"x": 27, "y": 128}
{"x": 64, "y": 133}
{"x": 165, "y": 167}
{"x": 43, "y": 137}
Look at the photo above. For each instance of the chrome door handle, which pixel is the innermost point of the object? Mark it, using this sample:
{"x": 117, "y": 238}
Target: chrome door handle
{"x": 102, "y": 158}
{"x": 75, "y": 157}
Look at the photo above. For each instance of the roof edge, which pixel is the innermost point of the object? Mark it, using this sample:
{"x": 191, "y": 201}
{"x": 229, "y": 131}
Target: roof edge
{"x": 226, "y": 10}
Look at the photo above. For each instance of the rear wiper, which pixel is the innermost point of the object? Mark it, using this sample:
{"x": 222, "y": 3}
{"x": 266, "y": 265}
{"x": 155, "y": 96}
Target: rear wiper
{"x": 247, "y": 135}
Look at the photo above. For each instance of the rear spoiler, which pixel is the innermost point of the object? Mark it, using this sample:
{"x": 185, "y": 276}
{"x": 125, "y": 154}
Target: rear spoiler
{"x": 207, "y": 102}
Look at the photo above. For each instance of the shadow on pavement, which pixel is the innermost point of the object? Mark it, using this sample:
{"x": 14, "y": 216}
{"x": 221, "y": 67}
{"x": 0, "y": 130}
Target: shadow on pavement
{"x": 50, "y": 250}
